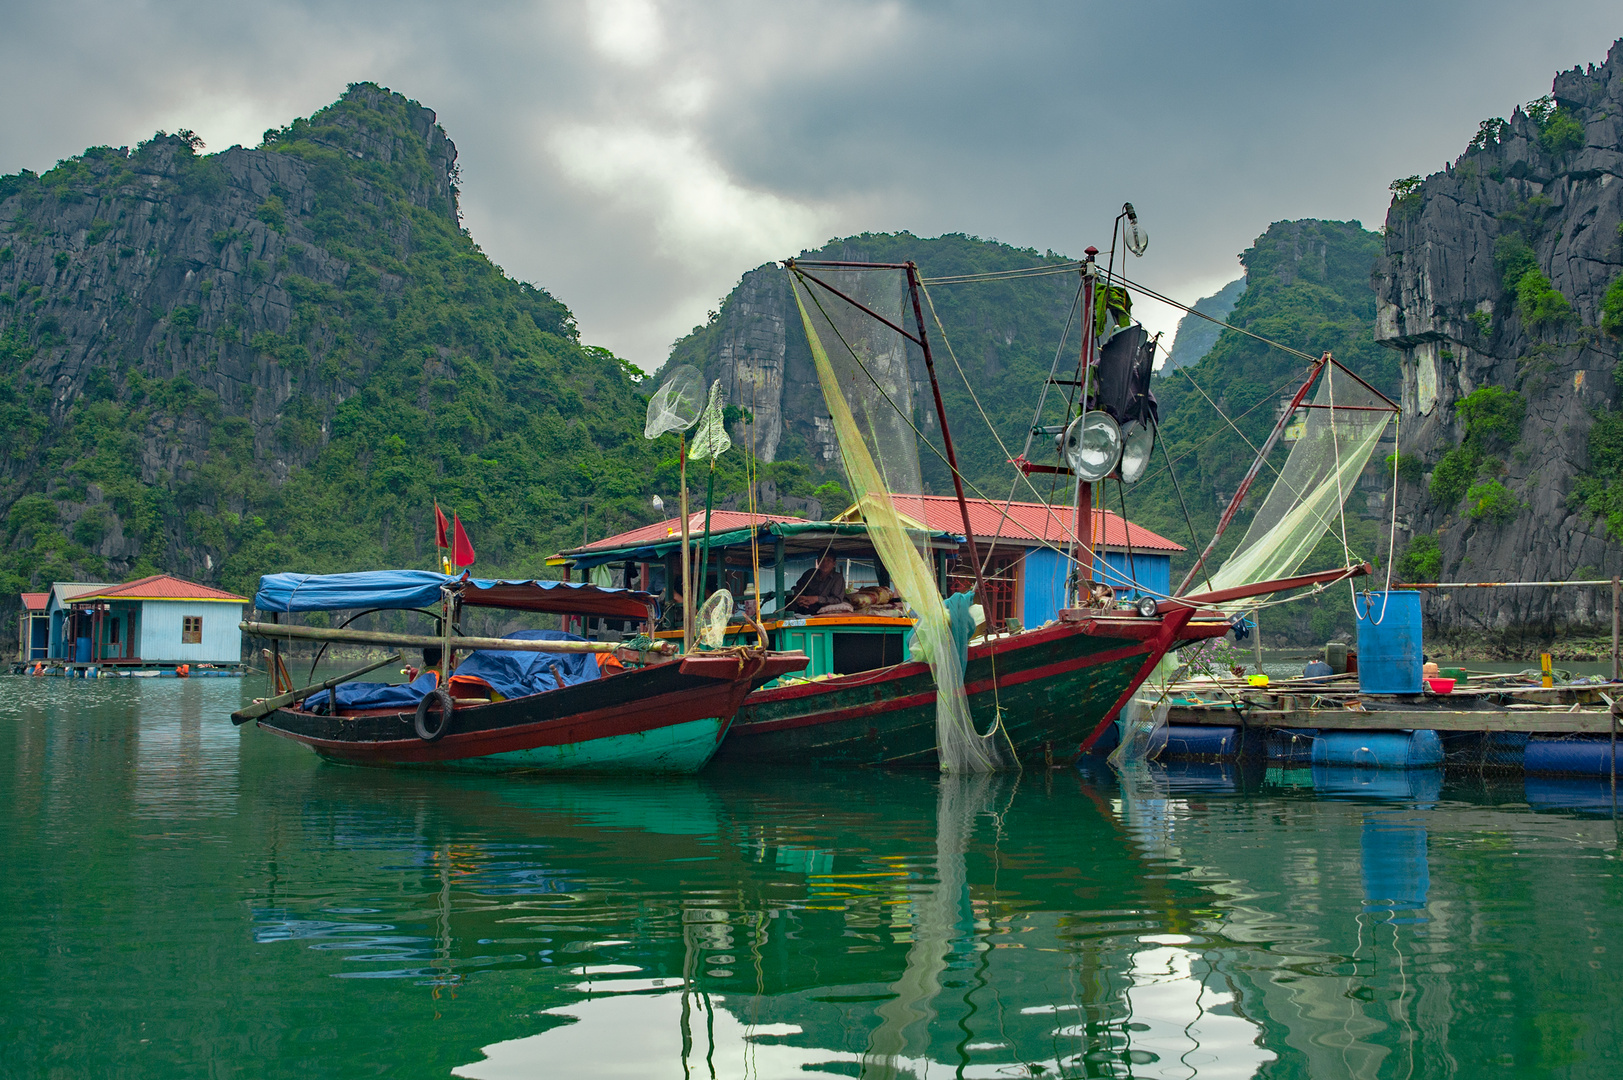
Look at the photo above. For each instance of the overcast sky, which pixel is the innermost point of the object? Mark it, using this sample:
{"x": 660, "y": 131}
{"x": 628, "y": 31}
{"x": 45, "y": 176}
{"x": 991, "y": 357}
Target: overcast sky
{"x": 635, "y": 157}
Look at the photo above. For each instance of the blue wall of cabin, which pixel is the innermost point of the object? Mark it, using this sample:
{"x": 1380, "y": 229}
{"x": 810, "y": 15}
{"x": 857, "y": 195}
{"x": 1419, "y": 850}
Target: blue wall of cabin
{"x": 1043, "y": 589}
{"x": 160, "y": 628}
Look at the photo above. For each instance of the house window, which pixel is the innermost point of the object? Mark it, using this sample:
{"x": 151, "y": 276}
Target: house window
{"x": 191, "y": 630}
{"x": 112, "y": 631}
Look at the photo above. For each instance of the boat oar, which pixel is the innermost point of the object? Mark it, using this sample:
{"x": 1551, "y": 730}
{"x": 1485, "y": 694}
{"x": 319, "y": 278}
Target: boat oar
{"x": 270, "y": 705}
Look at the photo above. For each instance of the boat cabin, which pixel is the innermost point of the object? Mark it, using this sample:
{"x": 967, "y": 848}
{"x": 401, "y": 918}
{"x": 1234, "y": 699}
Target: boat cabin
{"x": 1023, "y": 548}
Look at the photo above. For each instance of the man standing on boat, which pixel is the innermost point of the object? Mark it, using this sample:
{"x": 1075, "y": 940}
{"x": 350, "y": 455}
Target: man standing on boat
{"x": 818, "y": 587}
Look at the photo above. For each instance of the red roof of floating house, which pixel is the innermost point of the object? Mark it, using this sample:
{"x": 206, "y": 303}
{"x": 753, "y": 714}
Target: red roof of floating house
{"x": 35, "y": 601}
{"x": 1033, "y": 523}
{"x": 162, "y": 587}
{"x": 660, "y": 531}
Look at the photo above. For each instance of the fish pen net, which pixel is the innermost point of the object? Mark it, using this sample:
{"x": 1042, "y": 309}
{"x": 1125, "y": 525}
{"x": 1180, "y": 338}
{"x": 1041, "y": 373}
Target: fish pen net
{"x": 862, "y": 368}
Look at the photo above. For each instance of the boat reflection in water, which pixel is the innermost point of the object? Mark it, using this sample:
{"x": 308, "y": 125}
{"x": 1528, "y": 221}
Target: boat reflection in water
{"x": 914, "y": 947}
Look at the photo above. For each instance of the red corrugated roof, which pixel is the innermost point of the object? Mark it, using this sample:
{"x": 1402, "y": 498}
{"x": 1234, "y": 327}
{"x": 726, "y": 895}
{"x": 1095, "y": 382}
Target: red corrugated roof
{"x": 162, "y": 587}
{"x": 35, "y": 601}
{"x": 1035, "y": 522}
{"x": 661, "y": 531}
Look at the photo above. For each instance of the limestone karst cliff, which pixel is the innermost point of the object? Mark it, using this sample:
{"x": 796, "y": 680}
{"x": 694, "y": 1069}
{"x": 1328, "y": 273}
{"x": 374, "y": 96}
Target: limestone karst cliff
{"x": 277, "y": 358}
{"x": 1491, "y": 289}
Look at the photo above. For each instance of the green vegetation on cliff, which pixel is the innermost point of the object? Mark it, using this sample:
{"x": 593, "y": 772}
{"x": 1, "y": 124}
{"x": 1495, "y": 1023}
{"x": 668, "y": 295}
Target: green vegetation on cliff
{"x": 302, "y": 350}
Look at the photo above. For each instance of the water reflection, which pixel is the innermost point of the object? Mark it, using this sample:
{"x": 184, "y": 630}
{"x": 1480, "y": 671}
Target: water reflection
{"x": 1197, "y": 921}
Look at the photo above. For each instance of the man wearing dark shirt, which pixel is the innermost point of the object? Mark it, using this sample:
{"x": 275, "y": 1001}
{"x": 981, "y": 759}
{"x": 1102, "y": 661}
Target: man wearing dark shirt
{"x": 818, "y": 587}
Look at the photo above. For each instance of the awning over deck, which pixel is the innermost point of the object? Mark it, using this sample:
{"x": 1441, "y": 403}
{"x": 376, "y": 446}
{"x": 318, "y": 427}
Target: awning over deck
{"x": 402, "y": 589}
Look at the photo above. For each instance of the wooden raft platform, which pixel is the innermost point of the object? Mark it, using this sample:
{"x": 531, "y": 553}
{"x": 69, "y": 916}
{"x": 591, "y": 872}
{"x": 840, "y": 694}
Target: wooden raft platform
{"x": 1494, "y": 704}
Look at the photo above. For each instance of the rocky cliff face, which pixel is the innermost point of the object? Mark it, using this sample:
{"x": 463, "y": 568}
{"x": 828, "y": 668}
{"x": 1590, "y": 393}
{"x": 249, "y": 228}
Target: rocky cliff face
{"x": 278, "y": 358}
{"x": 1490, "y": 290}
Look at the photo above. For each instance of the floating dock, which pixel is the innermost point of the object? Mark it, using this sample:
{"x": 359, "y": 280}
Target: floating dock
{"x": 72, "y": 670}
{"x": 1493, "y": 721}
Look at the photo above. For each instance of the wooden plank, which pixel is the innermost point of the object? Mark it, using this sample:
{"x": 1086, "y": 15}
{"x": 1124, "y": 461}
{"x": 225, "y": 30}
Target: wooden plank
{"x": 1550, "y": 722}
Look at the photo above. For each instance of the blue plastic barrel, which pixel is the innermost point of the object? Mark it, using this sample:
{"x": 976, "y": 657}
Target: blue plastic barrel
{"x": 1378, "y": 749}
{"x": 1199, "y": 741}
{"x": 1389, "y": 642}
{"x": 82, "y": 650}
{"x": 1557, "y": 756}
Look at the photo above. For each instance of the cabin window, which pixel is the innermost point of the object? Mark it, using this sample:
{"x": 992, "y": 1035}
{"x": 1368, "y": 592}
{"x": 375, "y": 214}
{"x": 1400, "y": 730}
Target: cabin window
{"x": 112, "y": 632}
{"x": 865, "y": 652}
{"x": 191, "y": 630}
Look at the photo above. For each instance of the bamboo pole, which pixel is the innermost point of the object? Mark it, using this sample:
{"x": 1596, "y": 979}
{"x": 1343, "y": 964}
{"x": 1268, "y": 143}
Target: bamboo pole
{"x": 662, "y": 650}
{"x": 1617, "y": 622}
{"x": 270, "y": 705}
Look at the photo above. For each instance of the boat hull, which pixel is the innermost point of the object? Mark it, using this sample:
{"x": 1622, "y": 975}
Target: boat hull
{"x": 664, "y": 719}
{"x": 1054, "y": 686}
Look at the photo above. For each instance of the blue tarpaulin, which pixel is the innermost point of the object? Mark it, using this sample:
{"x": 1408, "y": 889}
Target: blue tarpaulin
{"x": 371, "y": 695}
{"x": 397, "y": 589}
{"x": 510, "y": 674}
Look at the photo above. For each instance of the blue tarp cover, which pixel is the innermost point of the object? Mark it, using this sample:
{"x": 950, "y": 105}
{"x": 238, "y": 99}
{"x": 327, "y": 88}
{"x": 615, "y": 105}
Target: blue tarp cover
{"x": 510, "y": 674}
{"x": 421, "y": 588}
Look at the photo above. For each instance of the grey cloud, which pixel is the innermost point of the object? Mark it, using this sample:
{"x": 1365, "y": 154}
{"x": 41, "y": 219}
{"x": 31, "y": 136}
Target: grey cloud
{"x": 639, "y": 185}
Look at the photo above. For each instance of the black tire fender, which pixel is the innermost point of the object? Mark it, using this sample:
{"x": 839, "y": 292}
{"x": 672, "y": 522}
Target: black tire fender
{"x": 434, "y": 734}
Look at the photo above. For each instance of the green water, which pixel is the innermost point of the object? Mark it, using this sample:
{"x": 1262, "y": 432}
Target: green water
{"x": 184, "y": 899}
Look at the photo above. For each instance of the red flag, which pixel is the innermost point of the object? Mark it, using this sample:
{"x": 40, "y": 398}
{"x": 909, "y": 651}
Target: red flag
{"x": 461, "y": 546}
{"x": 441, "y": 527}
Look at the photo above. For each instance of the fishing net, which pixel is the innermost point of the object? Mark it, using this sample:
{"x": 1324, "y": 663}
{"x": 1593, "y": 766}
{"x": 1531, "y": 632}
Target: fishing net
{"x": 710, "y": 440}
{"x": 710, "y": 628}
{"x": 863, "y": 371}
{"x": 1140, "y": 724}
{"x": 675, "y": 405}
{"x": 1321, "y": 472}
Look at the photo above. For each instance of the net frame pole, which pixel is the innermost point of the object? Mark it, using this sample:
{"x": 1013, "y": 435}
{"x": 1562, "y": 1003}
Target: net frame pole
{"x": 946, "y": 434}
{"x": 1251, "y": 476}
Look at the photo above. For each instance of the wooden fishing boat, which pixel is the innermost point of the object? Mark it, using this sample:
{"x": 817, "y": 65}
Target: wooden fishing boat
{"x": 645, "y": 711}
{"x": 1057, "y": 687}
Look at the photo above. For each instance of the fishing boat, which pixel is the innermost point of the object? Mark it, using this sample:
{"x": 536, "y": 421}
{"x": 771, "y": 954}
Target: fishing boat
{"x": 1044, "y": 694}
{"x": 537, "y": 699}
{"x": 864, "y": 700}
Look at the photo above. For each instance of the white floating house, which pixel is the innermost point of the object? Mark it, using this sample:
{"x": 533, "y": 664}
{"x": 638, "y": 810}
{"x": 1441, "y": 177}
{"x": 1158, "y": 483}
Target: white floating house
{"x": 158, "y": 621}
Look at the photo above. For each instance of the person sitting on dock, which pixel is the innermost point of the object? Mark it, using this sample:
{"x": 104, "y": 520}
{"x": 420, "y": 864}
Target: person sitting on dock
{"x": 818, "y": 587}
{"x": 1317, "y": 668}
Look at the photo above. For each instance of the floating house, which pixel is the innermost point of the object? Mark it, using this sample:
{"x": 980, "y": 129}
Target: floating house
{"x": 1021, "y": 545}
{"x": 33, "y": 628}
{"x": 157, "y": 621}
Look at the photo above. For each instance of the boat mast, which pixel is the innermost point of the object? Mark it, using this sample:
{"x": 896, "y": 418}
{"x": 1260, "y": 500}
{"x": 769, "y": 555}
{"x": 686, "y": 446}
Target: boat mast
{"x": 946, "y": 435}
{"x": 1082, "y": 550}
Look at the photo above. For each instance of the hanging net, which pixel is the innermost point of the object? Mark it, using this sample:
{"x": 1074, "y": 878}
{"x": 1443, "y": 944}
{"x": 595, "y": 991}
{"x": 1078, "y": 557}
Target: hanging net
{"x": 710, "y": 628}
{"x": 1319, "y": 475}
{"x": 675, "y": 405}
{"x": 710, "y": 439}
{"x": 862, "y": 369}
